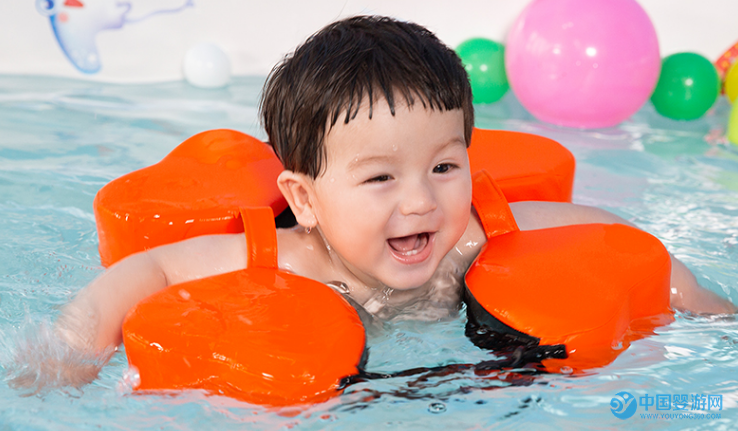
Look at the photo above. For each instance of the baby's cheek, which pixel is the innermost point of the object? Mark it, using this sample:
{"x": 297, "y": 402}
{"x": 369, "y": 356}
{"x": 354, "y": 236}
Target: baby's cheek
{"x": 458, "y": 201}
{"x": 460, "y": 219}
{"x": 350, "y": 233}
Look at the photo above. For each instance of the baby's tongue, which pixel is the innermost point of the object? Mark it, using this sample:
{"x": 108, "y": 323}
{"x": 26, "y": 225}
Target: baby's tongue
{"x": 405, "y": 243}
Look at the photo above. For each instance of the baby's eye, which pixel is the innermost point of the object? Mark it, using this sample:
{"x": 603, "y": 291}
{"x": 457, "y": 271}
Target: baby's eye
{"x": 442, "y": 168}
{"x": 378, "y": 179}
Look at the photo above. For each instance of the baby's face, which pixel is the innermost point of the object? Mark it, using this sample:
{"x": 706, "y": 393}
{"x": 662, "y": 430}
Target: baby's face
{"x": 396, "y": 194}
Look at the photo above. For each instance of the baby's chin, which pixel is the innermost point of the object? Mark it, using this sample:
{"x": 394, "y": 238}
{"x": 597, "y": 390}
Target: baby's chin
{"x": 415, "y": 280}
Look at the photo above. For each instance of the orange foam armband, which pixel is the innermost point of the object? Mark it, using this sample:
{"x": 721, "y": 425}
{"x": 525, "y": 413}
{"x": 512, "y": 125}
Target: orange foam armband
{"x": 259, "y": 335}
{"x": 590, "y": 289}
{"x": 526, "y": 167}
{"x": 196, "y": 189}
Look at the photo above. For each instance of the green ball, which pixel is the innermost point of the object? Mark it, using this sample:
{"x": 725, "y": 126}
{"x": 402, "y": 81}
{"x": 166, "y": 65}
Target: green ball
{"x": 687, "y": 88}
{"x": 484, "y": 61}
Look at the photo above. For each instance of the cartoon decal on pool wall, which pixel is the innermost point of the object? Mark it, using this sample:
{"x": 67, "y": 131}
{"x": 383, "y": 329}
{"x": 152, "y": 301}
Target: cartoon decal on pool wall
{"x": 77, "y": 22}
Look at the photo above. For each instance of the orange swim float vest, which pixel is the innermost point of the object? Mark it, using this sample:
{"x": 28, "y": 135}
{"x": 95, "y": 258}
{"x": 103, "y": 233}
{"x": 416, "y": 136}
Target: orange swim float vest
{"x": 574, "y": 296}
{"x": 198, "y": 188}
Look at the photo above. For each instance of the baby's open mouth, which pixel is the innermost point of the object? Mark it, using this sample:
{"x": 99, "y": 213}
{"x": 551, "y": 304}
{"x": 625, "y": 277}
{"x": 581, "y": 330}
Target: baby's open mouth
{"x": 409, "y": 245}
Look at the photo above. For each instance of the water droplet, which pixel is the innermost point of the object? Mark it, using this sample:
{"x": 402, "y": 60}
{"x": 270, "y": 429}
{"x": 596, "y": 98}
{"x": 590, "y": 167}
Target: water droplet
{"x": 184, "y": 294}
{"x": 437, "y": 407}
{"x": 566, "y": 370}
{"x": 386, "y": 293}
{"x": 617, "y": 346}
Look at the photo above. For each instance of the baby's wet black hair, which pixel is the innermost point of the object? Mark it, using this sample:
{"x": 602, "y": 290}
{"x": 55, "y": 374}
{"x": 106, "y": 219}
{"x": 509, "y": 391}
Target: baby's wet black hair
{"x": 352, "y": 61}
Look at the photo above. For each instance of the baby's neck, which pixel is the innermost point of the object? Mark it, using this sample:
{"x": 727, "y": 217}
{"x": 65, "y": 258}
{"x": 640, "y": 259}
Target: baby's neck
{"x": 309, "y": 255}
{"x": 439, "y": 298}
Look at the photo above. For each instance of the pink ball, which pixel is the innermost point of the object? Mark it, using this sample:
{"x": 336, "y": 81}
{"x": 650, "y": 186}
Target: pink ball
{"x": 583, "y": 63}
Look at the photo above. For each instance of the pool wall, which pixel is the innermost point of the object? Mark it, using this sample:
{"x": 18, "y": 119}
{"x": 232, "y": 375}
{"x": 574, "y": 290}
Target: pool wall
{"x": 145, "y": 40}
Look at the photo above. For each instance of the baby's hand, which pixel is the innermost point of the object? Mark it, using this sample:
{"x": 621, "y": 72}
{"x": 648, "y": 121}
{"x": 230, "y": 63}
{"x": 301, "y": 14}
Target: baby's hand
{"x": 43, "y": 359}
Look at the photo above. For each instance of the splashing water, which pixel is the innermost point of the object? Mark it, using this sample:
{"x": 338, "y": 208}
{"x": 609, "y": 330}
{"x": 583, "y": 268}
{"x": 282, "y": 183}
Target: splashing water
{"x": 36, "y": 361}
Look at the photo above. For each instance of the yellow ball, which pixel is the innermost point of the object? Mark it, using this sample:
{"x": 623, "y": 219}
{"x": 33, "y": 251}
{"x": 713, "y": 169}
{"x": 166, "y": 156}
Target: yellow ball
{"x": 731, "y": 82}
{"x": 733, "y": 125}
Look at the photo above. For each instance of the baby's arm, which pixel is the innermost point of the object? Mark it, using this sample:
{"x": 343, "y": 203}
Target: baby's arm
{"x": 686, "y": 293}
{"x": 89, "y": 328}
{"x": 94, "y": 318}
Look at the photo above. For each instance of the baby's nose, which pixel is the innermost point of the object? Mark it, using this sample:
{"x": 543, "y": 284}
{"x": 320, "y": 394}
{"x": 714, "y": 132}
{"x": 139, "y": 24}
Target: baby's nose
{"x": 417, "y": 199}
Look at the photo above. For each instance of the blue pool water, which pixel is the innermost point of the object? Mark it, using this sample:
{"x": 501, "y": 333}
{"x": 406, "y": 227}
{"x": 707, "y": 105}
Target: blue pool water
{"x": 61, "y": 140}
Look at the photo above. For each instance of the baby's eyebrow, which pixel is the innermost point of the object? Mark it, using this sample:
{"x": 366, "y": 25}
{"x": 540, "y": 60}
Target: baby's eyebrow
{"x": 450, "y": 143}
{"x": 380, "y": 158}
{"x": 366, "y": 160}
{"x": 456, "y": 140}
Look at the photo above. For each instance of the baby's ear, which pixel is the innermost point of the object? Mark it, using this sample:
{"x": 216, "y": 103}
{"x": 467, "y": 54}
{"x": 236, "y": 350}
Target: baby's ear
{"x": 296, "y": 189}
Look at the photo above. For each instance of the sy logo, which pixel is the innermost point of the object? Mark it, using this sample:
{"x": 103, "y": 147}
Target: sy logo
{"x": 623, "y": 405}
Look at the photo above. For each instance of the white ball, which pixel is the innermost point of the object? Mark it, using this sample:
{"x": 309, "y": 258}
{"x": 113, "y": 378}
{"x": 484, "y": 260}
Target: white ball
{"x": 206, "y": 65}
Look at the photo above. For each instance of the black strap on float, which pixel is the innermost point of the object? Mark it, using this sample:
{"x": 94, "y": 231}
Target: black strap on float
{"x": 489, "y": 333}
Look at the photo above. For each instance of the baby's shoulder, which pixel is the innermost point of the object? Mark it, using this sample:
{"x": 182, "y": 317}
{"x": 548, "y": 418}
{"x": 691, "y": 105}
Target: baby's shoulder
{"x": 302, "y": 253}
{"x": 470, "y": 244}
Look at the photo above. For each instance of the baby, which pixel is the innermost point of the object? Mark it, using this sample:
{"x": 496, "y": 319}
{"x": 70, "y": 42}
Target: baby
{"x": 371, "y": 118}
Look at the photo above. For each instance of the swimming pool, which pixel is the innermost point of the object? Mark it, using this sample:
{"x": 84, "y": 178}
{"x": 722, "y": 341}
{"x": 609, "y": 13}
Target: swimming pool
{"x": 61, "y": 140}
